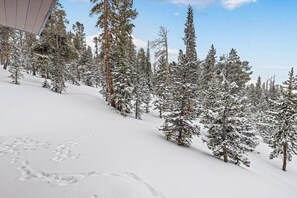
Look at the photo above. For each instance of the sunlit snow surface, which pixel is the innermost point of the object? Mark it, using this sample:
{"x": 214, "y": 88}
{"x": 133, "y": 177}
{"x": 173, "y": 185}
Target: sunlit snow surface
{"x": 73, "y": 145}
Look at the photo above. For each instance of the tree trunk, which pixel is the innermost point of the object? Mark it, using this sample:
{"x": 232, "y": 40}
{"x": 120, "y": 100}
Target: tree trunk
{"x": 285, "y": 157}
{"x": 106, "y": 54}
{"x": 179, "y": 139}
{"x": 5, "y": 63}
{"x": 34, "y": 70}
{"x": 167, "y": 60}
{"x": 136, "y": 110}
{"x": 225, "y": 154}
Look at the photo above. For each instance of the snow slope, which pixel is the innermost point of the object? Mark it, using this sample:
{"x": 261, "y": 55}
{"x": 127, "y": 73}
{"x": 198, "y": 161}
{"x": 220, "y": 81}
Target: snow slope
{"x": 73, "y": 145}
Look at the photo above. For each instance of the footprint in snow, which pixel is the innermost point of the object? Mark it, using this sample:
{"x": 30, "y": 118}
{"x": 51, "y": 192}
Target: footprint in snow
{"x": 64, "y": 151}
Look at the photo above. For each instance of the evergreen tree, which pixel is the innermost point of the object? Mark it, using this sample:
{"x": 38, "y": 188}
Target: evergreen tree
{"x": 148, "y": 79}
{"x": 283, "y": 121}
{"x": 58, "y": 73}
{"x": 229, "y": 131}
{"x": 89, "y": 68}
{"x": 190, "y": 43}
{"x": 17, "y": 64}
{"x": 41, "y": 59}
{"x": 104, "y": 8}
{"x": 207, "y": 73}
{"x": 234, "y": 69}
{"x": 123, "y": 55}
{"x": 56, "y": 37}
{"x": 178, "y": 126}
{"x": 161, "y": 88}
{"x": 7, "y": 36}
{"x": 141, "y": 89}
{"x": 80, "y": 45}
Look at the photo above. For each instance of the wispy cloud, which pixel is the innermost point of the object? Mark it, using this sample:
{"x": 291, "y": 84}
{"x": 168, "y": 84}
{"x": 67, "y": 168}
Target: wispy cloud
{"x": 79, "y": 1}
{"x": 228, "y": 4}
{"x": 232, "y": 4}
{"x": 139, "y": 43}
{"x": 89, "y": 41}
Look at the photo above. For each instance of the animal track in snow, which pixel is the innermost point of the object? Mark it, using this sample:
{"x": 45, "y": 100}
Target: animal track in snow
{"x": 28, "y": 173}
{"x": 15, "y": 145}
{"x": 64, "y": 151}
{"x": 57, "y": 179}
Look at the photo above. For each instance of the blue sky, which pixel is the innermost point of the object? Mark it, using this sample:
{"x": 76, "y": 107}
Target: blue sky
{"x": 264, "y": 32}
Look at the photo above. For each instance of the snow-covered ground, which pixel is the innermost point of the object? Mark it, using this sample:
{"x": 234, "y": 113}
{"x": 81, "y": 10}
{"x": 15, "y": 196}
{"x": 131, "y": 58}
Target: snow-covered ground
{"x": 74, "y": 146}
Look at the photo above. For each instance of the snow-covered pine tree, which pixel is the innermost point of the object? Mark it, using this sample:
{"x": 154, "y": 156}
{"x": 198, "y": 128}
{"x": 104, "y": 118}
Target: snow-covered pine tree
{"x": 207, "y": 73}
{"x": 123, "y": 55}
{"x": 283, "y": 121}
{"x": 141, "y": 89}
{"x": 41, "y": 59}
{"x": 58, "y": 73}
{"x": 148, "y": 77}
{"x": 229, "y": 131}
{"x": 191, "y": 60}
{"x": 104, "y": 8}
{"x": 190, "y": 43}
{"x": 208, "y": 68}
{"x": 80, "y": 45}
{"x": 161, "y": 88}
{"x": 29, "y": 41}
{"x": 7, "y": 36}
{"x": 89, "y": 68}
{"x": 17, "y": 64}
{"x": 234, "y": 69}
{"x": 178, "y": 126}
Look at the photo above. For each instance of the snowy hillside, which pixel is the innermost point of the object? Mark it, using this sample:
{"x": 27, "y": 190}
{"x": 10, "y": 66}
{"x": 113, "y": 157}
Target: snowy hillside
{"x": 73, "y": 145}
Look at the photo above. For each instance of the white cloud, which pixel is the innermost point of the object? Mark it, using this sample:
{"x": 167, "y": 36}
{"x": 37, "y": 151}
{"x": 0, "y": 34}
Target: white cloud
{"x": 89, "y": 41}
{"x": 139, "y": 43}
{"x": 79, "y": 1}
{"x": 228, "y": 4}
{"x": 199, "y": 3}
{"x": 173, "y": 54}
{"x": 232, "y": 4}
{"x": 176, "y": 14}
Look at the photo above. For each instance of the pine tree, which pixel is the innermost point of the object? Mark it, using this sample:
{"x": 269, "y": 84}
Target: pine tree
{"x": 103, "y": 8}
{"x": 234, "y": 69}
{"x": 56, "y": 37}
{"x": 58, "y": 73}
{"x": 7, "y": 36}
{"x": 17, "y": 65}
{"x": 123, "y": 55}
{"x": 229, "y": 131}
{"x": 161, "y": 88}
{"x": 178, "y": 126}
{"x": 41, "y": 59}
{"x": 148, "y": 79}
{"x": 89, "y": 68}
{"x": 141, "y": 88}
{"x": 190, "y": 43}
{"x": 80, "y": 45}
{"x": 29, "y": 41}
{"x": 207, "y": 72}
{"x": 283, "y": 121}
{"x": 191, "y": 60}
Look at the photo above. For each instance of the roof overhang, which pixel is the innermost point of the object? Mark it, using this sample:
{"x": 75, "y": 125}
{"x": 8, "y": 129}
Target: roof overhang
{"x": 26, "y": 15}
